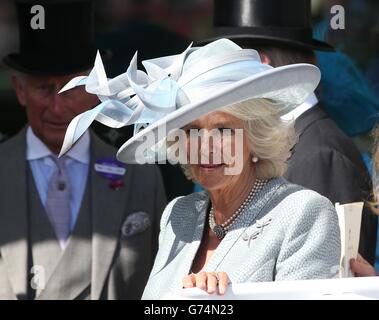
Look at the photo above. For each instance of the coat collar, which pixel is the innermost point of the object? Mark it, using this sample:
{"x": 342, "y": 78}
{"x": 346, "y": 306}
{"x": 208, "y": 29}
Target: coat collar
{"x": 308, "y": 118}
{"x": 304, "y": 107}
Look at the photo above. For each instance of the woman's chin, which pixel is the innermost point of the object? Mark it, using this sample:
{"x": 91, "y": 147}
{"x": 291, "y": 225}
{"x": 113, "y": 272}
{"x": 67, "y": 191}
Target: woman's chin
{"x": 211, "y": 176}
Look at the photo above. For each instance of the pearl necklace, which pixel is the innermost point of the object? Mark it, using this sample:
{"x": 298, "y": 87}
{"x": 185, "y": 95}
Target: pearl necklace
{"x": 220, "y": 230}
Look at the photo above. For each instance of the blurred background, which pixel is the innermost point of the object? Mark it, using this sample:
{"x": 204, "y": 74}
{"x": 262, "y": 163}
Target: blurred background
{"x": 154, "y": 27}
{"x": 158, "y": 27}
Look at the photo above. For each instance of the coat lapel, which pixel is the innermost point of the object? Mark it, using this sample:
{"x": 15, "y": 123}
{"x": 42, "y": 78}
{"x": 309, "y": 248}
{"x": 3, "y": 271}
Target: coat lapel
{"x": 201, "y": 206}
{"x": 44, "y": 245}
{"x": 186, "y": 249}
{"x": 108, "y": 210}
{"x": 13, "y": 215}
{"x": 76, "y": 258}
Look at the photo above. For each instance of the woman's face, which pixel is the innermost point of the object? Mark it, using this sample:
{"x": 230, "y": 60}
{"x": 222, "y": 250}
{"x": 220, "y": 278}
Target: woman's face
{"x": 220, "y": 149}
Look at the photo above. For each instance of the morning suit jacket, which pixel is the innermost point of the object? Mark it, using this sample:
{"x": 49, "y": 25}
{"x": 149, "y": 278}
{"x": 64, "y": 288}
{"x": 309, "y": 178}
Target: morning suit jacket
{"x": 286, "y": 233}
{"x": 111, "y": 250}
{"x": 327, "y": 161}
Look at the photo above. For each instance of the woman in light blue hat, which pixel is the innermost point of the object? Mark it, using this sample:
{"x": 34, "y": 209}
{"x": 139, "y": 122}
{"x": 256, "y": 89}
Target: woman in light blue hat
{"x": 249, "y": 224}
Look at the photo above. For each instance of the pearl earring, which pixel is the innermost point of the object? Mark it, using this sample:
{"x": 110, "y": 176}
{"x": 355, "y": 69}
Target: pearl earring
{"x": 254, "y": 159}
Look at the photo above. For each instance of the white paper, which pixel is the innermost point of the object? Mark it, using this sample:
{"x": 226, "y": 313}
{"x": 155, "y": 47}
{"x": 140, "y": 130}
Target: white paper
{"x": 349, "y": 218}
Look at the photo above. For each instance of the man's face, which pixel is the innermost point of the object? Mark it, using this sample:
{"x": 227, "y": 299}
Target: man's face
{"x": 48, "y": 112}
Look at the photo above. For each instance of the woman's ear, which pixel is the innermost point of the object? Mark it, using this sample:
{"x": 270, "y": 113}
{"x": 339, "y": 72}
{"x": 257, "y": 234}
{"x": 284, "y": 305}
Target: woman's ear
{"x": 19, "y": 88}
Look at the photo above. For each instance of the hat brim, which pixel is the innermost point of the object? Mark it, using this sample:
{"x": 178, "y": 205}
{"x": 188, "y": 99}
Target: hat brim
{"x": 289, "y": 85}
{"x": 255, "y": 40}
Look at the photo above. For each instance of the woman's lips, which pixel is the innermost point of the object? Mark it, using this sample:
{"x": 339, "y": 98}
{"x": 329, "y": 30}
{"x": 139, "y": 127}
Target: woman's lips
{"x": 211, "y": 166}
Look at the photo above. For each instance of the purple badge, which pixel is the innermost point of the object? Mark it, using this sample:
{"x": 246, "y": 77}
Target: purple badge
{"x": 112, "y": 170}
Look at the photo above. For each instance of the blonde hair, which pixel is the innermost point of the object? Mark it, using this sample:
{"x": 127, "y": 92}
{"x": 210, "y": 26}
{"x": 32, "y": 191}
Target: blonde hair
{"x": 271, "y": 138}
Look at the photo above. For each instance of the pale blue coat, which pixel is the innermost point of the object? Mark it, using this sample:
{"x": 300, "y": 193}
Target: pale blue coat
{"x": 288, "y": 233}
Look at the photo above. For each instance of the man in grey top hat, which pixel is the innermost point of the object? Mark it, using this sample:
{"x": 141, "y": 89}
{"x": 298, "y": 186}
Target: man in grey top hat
{"x": 324, "y": 159}
{"x": 83, "y": 226}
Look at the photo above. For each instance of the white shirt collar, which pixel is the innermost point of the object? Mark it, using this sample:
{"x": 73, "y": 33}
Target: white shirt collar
{"x": 36, "y": 149}
{"x": 297, "y": 112}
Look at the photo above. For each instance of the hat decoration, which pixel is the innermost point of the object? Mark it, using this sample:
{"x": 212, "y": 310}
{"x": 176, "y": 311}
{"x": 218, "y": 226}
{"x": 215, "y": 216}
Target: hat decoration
{"x": 178, "y": 89}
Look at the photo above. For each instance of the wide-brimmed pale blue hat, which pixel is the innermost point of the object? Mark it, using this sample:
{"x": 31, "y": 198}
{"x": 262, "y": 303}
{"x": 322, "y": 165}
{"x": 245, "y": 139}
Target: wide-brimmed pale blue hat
{"x": 176, "y": 90}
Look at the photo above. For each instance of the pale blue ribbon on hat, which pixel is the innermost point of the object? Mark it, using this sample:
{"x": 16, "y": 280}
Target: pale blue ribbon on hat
{"x": 170, "y": 82}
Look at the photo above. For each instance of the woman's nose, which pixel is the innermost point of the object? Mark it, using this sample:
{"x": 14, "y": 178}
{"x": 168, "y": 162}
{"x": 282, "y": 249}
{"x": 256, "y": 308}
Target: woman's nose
{"x": 211, "y": 144}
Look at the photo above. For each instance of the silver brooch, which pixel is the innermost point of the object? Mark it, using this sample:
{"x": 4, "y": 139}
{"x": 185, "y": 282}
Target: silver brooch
{"x": 260, "y": 226}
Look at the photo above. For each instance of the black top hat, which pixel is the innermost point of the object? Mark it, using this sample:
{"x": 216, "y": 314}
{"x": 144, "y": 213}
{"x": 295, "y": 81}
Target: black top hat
{"x": 266, "y": 22}
{"x": 64, "y": 46}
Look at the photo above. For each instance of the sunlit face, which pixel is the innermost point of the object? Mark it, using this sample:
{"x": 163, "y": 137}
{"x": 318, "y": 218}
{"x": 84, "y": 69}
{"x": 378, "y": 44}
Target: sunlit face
{"x": 48, "y": 112}
{"x": 211, "y": 174}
